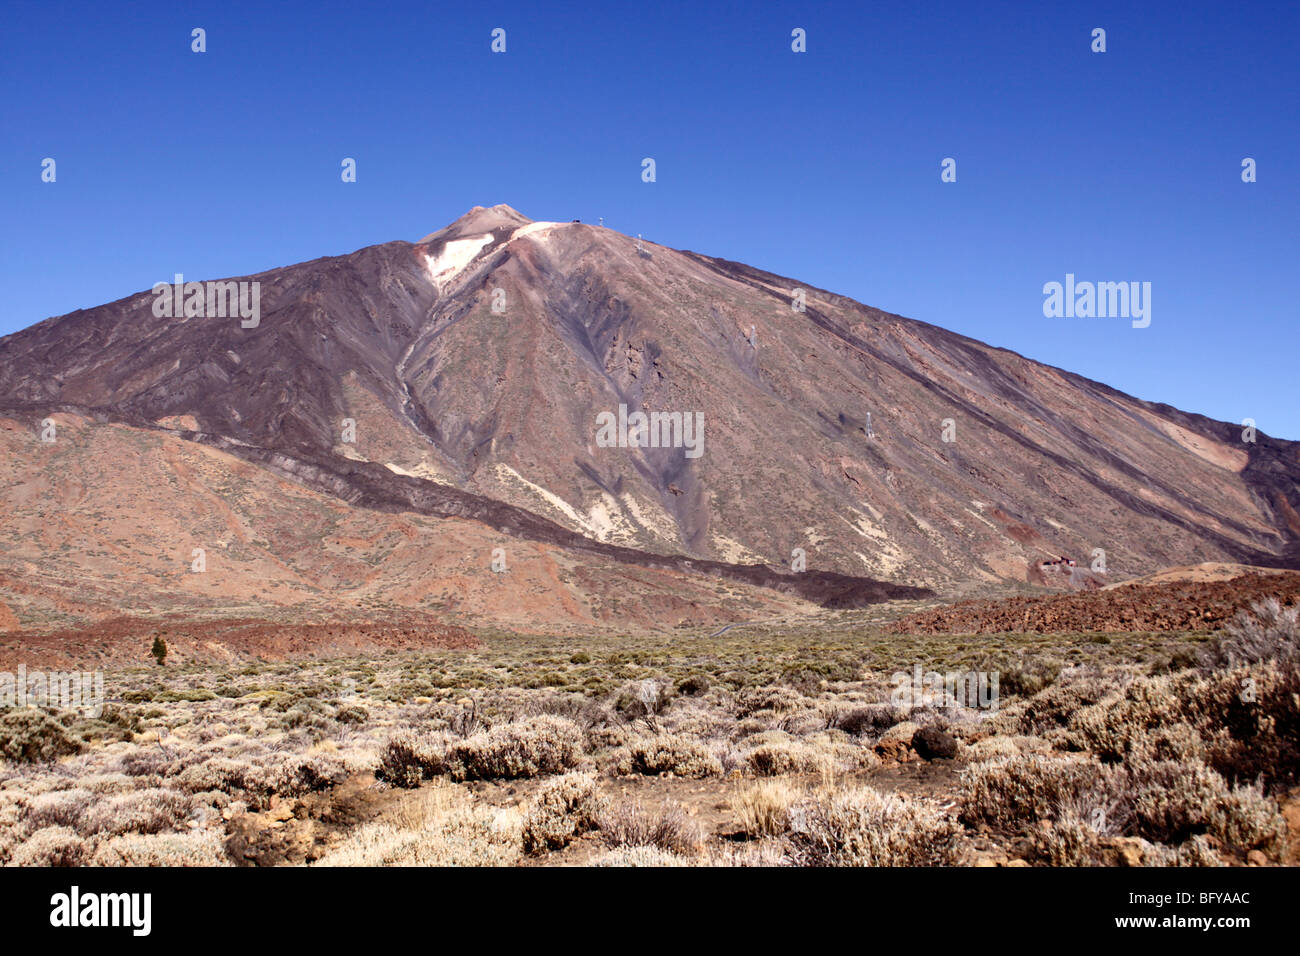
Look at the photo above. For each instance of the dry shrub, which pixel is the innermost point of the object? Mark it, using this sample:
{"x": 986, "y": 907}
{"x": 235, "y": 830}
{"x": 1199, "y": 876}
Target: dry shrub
{"x": 1251, "y": 722}
{"x": 1052, "y": 708}
{"x": 1163, "y": 801}
{"x": 439, "y": 826}
{"x": 868, "y": 721}
{"x": 51, "y": 846}
{"x": 775, "y": 760}
{"x": 562, "y": 809}
{"x": 1199, "y": 851}
{"x": 992, "y": 748}
{"x": 1271, "y": 633}
{"x": 152, "y": 762}
{"x": 1022, "y": 676}
{"x": 526, "y": 748}
{"x": 294, "y": 776}
{"x": 408, "y": 759}
{"x": 194, "y": 848}
{"x": 1010, "y": 794}
{"x": 669, "y": 753}
{"x": 762, "y": 809}
{"x": 631, "y": 825}
{"x": 143, "y": 811}
{"x": 645, "y": 698}
{"x": 1069, "y": 841}
{"x": 105, "y": 783}
{"x": 1244, "y": 722}
{"x": 866, "y": 828}
{"x": 59, "y": 808}
{"x": 33, "y": 736}
{"x": 642, "y": 856}
{"x": 285, "y": 775}
{"x": 778, "y": 700}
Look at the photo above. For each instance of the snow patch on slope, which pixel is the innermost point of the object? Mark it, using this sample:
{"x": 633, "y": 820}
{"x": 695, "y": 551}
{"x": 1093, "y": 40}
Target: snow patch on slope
{"x": 455, "y": 256}
{"x": 530, "y": 229}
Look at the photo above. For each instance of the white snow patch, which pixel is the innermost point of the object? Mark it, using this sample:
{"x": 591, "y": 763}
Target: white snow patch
{"x": 454, "y": 257}
{"x": 531, "y": 228}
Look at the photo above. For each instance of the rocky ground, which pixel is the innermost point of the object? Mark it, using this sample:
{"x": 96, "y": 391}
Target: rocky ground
{"x": 1154, "y": 606}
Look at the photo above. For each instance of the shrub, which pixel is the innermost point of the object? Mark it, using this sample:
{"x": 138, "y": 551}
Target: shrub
{"x": 1271, "y": 633}
{"x": 51, "y": 846}
{"x": 196, "y": 848}
{"x": 562, "y": 809}
{"x": 1164, "y": 801}
{"x": 646, "y": 698}
{"x": 526, "y": 748}
{"x": 1024, "y": 677}
{"x": 351, "y": 714}
{"x": 642, "y": 856}
{"x": 866, "y": 828}
{"x": 142, "y": 811}
{"x": 669, "y": 753}
{"x": 216, "y": 773}
{"x": 693, "y": 685}
{"x": 59, "y": 808}
{"x": 868, "y": 721}
{"x": 440, "y": 826}
{"x": 762, "y": 809}
{"x": 1053, "y": 707}
{"x": 777, "y": 759}
{"x": 1008, "y": 794}
{"x": 631, "y": 825}
{"x": 33, "y": 736}
{"x": 772, "y": 699}
{"x": 408, "y": 759}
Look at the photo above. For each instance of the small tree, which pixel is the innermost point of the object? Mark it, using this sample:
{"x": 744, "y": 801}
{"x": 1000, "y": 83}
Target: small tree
{"x": 159, "y": 650}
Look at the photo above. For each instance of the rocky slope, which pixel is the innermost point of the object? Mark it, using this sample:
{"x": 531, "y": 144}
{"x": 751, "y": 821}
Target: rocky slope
{"x": 476, "y": 362}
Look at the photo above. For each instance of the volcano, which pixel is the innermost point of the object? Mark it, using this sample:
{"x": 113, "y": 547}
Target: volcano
{"x": 459, "y": 388}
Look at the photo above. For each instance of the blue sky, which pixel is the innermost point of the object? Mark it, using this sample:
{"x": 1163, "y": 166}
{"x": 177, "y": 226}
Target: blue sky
{"x": 1122, "y": 166}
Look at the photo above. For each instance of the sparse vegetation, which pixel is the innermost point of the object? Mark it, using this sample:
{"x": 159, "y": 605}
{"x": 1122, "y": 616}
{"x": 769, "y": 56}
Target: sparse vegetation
{"x": 642, "y": 752}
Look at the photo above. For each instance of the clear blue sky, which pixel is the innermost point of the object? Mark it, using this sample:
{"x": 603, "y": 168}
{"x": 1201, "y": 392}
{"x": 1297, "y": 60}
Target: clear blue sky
{"x": 823, "y": 166}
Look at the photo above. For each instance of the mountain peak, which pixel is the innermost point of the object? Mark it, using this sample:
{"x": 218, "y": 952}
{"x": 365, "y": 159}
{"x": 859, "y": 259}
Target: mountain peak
{"x": 480, "y": 220}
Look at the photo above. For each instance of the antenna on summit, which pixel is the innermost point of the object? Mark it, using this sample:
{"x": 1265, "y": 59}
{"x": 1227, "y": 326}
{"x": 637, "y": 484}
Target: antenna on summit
{"x": 869, "y": 434}
{"x": 602, "y": 222}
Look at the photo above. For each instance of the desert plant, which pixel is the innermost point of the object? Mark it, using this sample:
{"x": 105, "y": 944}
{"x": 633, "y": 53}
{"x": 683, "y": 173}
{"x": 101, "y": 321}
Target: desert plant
{"x": 631, "y": 825}
{"x": 669, "y": 753}
{"x": 51, "y": 846}
{"x": 526, "y": 748}
{"x": 866, "y": 828}
{"x": 562, "y": 809}
{"x": 33, "y": 736}
{"x": 762, "y": 810}
{"x": 867, "y": 721}
{"x": 142, "y": 811}
{"x": 1272, "y": 632}
{"x": 159, "y": 649}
